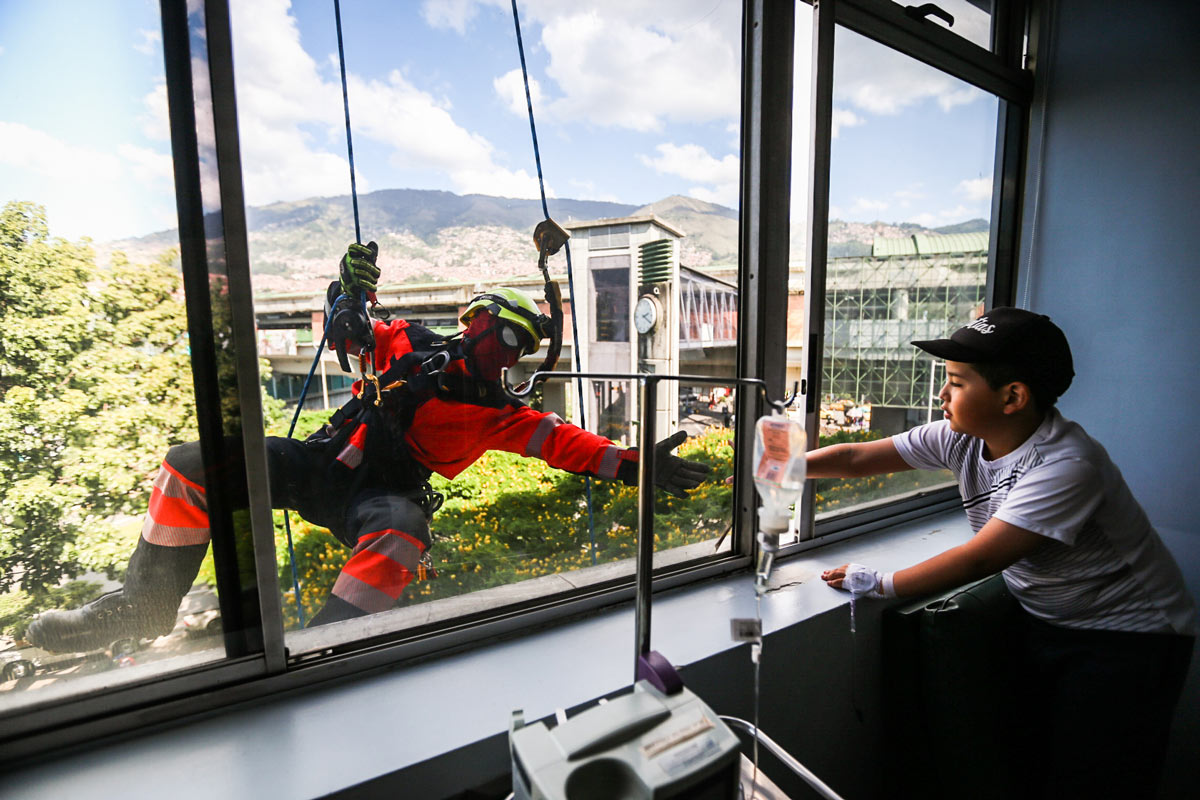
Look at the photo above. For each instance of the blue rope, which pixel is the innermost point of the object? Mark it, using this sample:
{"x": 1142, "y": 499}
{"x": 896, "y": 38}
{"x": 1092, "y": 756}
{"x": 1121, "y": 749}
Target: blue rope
{"x": 337, "y": 13}
{"x": 537, "y": 157}
{"x": 287, "y": 525}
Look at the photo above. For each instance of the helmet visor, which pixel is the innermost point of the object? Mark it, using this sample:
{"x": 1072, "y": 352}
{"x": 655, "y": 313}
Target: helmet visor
{"x": 514, "y": 337}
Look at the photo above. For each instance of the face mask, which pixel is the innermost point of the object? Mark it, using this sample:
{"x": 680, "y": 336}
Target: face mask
{"x": 486, "y": 349}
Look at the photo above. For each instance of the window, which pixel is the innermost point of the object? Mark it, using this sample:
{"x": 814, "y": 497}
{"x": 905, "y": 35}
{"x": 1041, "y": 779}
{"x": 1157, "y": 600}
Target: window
{"x": 224, "y": 346}
{"x": 612, "y": 301}
{"x": 907, "y": 248}
{"x": 143, "y": 361}
{"x": 608, "y": 236}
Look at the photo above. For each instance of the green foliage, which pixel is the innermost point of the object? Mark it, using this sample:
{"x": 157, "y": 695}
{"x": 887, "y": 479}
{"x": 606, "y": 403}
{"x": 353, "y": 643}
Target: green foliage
{"x": 95, "y": 384}
{"x": 835, "y": 493}
{"x": 508, "y": 519}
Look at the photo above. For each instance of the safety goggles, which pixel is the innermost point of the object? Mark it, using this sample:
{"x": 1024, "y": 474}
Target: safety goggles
{"x": 514, "y": 337}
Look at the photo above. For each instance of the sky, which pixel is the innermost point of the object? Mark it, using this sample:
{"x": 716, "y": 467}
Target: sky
{"x": 634, "y": 101}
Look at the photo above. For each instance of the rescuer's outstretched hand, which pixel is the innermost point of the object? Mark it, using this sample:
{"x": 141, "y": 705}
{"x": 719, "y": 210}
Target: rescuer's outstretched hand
{"x": 357, "y": 271}
{"x": 674, "y": 474}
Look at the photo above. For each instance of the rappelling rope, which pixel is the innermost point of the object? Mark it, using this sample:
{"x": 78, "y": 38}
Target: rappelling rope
{"x": 537, "y": 157}
{"x": 287, "y": 526}
{"x": 337, "y": 14}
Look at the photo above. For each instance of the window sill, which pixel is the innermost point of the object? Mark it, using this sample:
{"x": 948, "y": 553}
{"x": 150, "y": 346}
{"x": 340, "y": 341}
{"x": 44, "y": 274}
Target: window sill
{"x": 334, "y": 737}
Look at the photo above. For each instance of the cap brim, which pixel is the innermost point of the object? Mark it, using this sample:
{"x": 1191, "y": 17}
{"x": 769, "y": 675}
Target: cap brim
{"x": 949, "y": 350}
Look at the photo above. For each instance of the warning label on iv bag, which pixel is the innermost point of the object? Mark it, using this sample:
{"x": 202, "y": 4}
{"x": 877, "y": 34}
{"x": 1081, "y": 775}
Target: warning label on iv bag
{"x": 776, "y": 449}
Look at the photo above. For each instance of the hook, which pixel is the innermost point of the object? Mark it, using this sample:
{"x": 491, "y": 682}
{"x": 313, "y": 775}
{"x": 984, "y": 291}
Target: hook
{"x": 523, "y": 389}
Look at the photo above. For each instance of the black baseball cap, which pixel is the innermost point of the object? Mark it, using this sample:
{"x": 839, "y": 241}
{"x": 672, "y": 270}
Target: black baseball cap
{"x": 1029, "y": 342}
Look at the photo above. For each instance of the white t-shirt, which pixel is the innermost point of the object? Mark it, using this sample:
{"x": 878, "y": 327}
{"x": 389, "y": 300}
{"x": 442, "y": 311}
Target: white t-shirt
{"x": 1102, "y": 565}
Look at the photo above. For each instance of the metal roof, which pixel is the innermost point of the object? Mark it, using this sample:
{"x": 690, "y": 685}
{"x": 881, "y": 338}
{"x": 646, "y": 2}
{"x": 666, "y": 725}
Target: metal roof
{"x": 654, "y": 219}
{"x": 929, "y": 244}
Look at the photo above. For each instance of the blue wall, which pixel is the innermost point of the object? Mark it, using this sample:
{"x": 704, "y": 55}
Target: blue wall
{"x": 1116, "y": 262}
{"x": 1116, "y": 259}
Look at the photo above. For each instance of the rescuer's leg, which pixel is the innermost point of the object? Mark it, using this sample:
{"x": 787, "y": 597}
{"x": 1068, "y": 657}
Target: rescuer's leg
{"x": 392, "y": 533}
{"x": 161, "y": 570}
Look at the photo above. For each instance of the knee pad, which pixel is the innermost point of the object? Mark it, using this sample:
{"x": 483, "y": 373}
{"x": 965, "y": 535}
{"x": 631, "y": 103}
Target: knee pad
{"x": 379, "y": 510}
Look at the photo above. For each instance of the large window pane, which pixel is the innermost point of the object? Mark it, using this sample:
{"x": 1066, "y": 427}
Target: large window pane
{"x": 910, "y": 196}
{"x": 637, "y": 114}
{"x": 96, "y": 381}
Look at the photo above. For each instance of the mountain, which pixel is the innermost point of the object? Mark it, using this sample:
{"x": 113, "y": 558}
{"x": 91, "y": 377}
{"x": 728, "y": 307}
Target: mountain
{"x": 427, "y": 235}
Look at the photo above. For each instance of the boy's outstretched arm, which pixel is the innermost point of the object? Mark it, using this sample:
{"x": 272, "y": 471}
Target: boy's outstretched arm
{"x": 997, "y": 545}
{"x": 855, "y": 460}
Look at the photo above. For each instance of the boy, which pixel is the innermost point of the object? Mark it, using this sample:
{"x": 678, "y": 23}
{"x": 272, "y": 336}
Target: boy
{"x": 1108, "y": 625}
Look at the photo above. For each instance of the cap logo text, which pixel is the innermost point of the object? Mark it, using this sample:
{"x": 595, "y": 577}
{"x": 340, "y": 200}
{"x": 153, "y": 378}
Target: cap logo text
{"x": 981, "y": 325}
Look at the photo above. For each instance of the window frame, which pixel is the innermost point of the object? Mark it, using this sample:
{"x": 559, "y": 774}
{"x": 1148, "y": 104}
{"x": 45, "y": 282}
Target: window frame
{"x": 998, "y": 72}
{"x": 259, "y": 665}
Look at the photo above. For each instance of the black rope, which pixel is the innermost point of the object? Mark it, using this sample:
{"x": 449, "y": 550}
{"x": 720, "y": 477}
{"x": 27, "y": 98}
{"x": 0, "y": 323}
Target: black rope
{"x": 537, "y": 157}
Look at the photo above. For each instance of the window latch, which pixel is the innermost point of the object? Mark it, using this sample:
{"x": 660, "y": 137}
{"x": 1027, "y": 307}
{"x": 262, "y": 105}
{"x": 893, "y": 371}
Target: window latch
{"x": 927, "y": 10}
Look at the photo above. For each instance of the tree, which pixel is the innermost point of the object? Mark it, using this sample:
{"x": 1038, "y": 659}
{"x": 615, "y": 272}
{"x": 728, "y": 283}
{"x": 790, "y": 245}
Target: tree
{"x": 95, "y": 384}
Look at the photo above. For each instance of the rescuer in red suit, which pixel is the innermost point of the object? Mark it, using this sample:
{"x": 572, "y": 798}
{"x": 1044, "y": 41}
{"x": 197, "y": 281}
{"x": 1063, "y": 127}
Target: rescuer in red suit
{"x": 436, "y": 405}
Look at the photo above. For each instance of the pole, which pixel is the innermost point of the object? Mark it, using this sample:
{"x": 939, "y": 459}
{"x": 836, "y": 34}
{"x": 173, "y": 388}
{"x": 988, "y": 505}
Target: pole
{"x": 645, "y": 542}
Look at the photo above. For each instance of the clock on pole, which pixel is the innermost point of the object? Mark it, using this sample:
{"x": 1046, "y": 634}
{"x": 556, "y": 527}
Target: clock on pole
{"x": 645, "y": 314}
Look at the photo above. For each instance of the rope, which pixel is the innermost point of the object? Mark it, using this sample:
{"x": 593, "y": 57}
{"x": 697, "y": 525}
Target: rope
{"x": 337, "y": 14}
{"x": 287, "y": 525}
{"x": 537, "y": 157}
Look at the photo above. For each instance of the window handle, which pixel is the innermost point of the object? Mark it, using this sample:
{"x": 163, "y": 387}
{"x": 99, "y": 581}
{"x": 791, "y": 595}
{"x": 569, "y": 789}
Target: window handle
{"x": 923, "y": 12}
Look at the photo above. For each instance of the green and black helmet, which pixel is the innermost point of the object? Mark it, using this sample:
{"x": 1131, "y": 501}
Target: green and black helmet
{"x": 522, "y": 324}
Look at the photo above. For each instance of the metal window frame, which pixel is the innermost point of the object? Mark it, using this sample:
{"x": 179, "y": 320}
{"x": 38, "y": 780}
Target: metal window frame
{"x": 997, "y": 71}
{"x": 767, "y": 76}
{"x": 210, "y": 243}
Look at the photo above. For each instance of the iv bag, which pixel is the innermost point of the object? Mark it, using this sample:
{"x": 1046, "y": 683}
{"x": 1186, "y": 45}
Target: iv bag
{"x": 779, "y": 467}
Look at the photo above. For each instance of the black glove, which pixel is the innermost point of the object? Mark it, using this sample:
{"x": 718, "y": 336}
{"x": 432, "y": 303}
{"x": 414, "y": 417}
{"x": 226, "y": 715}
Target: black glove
{"x": 672, "y": 474}
{"x": 357, "y": 271}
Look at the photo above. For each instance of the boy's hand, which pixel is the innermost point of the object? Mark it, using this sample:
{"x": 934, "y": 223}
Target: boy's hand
{"x": 860, "y": 580}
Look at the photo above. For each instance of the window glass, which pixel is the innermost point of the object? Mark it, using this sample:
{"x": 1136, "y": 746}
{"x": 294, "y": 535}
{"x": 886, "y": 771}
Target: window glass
{"x": 637, "y": 112}
{"x": 910, "y": 197}
{"x": 96, "y": 384}
{"x": 611, "y": 287}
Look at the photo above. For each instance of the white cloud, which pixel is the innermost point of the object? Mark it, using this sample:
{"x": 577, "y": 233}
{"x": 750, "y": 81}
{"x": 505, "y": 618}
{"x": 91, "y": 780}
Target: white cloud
{"x": 46, "y": 155}
{"x": 623, "y": 63}
{"x": 88, "y": 192}
{"x": 150, "y": 43}
{"x": 511, "y": 90}
{"x": 291, "y": 118}
{"x": 844, "y": 118}
{"x": 693, "y": 162}
{"x": 423, "y": 134}
{"x": 875, "y": 79}
{"x": 452, "y": 14}
{"x": 619, "y": 73}
{"x": 977, "y": 190}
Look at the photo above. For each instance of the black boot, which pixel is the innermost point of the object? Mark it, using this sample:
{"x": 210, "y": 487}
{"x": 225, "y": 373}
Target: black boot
{"x": 146, "y": 607}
